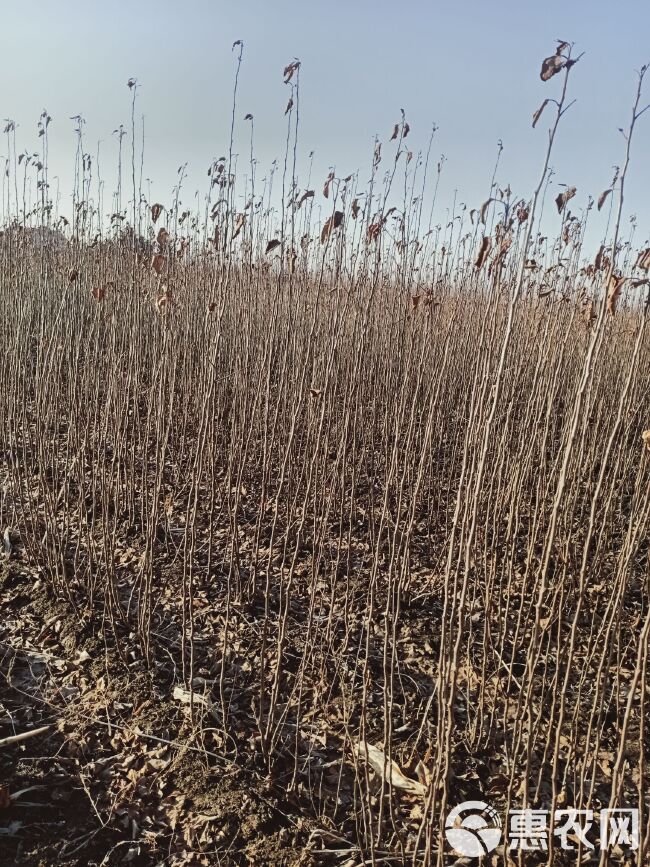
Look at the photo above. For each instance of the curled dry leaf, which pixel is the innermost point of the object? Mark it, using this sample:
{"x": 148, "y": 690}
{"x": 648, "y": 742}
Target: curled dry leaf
{"x": 643, "y": 260}
{"x": 273, "y": 243}
{"x": 645, "y": 436}
{"x": 326, "y": 187}
{"x": 290, "y": 70}
{"x": 616, "y": 282}
{"x": 406, "y": 130}
{"x": 602, "y": 198}
{"x": 551, "y": 66}
{"x": 388, "y": 770}
{"x": 248, "y": 116}
{"x": 162, "y": 237}
{"x": 484, "y": 208}
{"x": 522, "y": 213}
{"x": 395, "y": 132}
{"x": 331, "y": 225}
{"x": 156, "y": 211}
{"x": 564, "y": 197}
{"x": 163, "y": 301}
{"x": 539, "y": 111}
{"x": 483, "y": 252}
{"x": 240, "y": 219}
{"x": 158, "y": 263}
{"x": 308, "y": 194}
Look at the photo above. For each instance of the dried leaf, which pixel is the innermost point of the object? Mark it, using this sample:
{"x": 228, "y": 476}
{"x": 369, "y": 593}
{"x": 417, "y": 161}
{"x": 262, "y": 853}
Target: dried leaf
{"x": 387, "y": 770}
{"x": 551, "y": 66}
{"x": 483, "y": 252}
{"x": 331, "y": 225}
{"x": 290, "y": 70}
{"x": 158, "y": 263}
{"x": 156, "y": 211}
{"x": 484, "y": 208}
{"x": 645, "y": 436}
{"x": 539, "y": 111}
{"x": 308, "y": 194}
{"x": 355, "y": 208}
{"x": 616, "y": 282}
{"x": 240, "y": 219}
{"x": 273, "y": 243}
{"x": 602, "y": 197}
{"x": 289, "y": 106}
{"x": 326, "y": 188}
{"x": 643, "y": 260}
{"x": 564, "y": 197}
{"x": 98, "y": 293}
{"x": 72, "y": 275}
{"x": 395, "y": 132}
{"x": 162, "y": 237}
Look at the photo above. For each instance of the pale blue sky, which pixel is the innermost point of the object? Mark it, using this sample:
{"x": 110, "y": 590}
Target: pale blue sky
{"x": 471, "y": 67}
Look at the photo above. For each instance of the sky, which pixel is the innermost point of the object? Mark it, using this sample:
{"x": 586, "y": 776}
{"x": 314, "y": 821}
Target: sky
{"x": 471, "y": 67}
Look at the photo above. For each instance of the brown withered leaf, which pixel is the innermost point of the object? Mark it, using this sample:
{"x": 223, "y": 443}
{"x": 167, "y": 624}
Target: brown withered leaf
{"x": 355, "y": 208}
{"x": 645, "y": 436}
{"x": 162, "y": 237}
{"x": 377, "y": 155}
{"x": 290, "y": 70}
{"x": 522, "y": 213}
{"x": 331, "y": 225}
{"x": 616, "y": 282}
{"x": 395, "y": 132}
{"x": 156, "y": 211}
{"x": 483, "y": 252}
{"x": 406, "y": 130}
{"x": 98, "y": 293}
{"x": 374, "y": 230}
{"x": 387, "y": 770}
{"x": 415, "y": 301}
{"x": 158, "y": 263}
{"x": 308, "y": 194}
{"x": 5, "y": 798}
{"x": 240, "y": 219}
{"x": 551, "y": 66}
{"x": 273, "y": 243}
{"x": 539, "y": 111}
{"x": 73, "y": 273}
{"x": 564, "y": 197}
{"x": 602, "y": 198}
{"x": 289, "y": 106}
{"x": 643, "y": 260}
{"x": 562, "y": 46}
{"x": 326, "y": 187}
{"x": 163, "y": 301}
{"x": 484, "y": 207}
